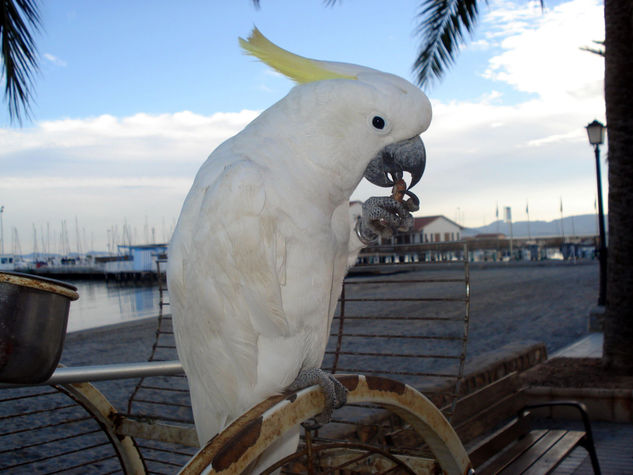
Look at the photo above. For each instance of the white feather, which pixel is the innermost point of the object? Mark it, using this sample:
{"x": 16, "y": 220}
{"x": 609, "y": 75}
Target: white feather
{"x": 263, "y": 240}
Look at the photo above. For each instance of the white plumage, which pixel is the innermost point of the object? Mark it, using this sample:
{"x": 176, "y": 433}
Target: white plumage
{"x": 263, "y": 241}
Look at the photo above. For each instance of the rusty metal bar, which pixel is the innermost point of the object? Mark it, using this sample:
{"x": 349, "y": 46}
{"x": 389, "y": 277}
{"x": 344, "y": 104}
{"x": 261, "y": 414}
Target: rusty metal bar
{"x": 466, "y": 327}
{"x": 61, "y": 454}
{"x": 163, "y": 403}
{"x": 407, "y": 299}
{"x": 17, "y": 398}
{"x": 160, "y": 418}
{"x": 403, "y": 318}
{"x": 50, "y": 441}
{"x": 413, "y": 337}
{"x": 401, "y": 373}
{"x": 395, "y": 355}
{"x": 162, "y": 388}
{"x": 339, "y": 338}
{"x": 46, "y": 426}
{"x": 405, "y": 281}
{"x": 91, "y": 462}
{"x": 37, "y": 411}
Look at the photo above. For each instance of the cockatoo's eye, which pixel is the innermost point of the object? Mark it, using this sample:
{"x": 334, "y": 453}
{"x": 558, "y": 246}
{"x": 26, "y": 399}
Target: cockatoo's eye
{"x": 378, "y": 122}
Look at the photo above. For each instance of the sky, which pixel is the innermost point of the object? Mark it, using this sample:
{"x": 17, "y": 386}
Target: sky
{"x": 132, "y": 97}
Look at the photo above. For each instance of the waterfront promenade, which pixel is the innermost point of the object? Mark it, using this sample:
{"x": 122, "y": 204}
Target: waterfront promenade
{"x": 511, "y": 304}
{"x": 519, "y": 303}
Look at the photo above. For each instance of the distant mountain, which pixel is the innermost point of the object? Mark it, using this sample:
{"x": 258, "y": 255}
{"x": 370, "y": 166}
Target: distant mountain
{"x": 581, "y": 225}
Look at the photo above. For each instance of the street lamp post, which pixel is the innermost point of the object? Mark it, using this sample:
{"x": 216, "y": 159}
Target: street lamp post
{"x": 595, "y": 132}
{"x": 1, "y": 231}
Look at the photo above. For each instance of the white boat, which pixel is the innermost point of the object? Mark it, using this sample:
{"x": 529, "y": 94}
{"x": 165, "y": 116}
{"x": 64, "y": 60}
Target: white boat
{"x": 7, "y": 262}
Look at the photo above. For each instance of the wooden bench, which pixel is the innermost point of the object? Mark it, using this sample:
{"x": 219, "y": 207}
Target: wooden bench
{"x": 515, "y": 446}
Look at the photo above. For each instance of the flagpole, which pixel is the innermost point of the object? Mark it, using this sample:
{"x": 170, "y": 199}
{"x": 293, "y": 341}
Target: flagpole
{"x": 508, "y": 219}
{"x": 562, "y": 228}
{"x": 527, "y": 211}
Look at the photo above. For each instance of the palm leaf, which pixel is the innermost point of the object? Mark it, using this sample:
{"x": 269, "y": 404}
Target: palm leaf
{"x": 599, "y": 51}
{"x": 443, "y": 25}
{"x": 19, "y": 54}
{"x": 329, "y": 3}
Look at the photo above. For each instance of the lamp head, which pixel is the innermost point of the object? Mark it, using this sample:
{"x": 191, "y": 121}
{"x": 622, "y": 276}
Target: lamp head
{"x": 595, "y": 132}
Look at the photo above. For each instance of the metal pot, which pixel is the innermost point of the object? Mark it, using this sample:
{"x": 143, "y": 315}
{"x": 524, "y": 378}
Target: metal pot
{"x": 33, "y": 319}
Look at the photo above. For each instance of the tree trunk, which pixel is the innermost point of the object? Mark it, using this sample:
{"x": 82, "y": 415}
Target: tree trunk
{"x": 618, "y": 322}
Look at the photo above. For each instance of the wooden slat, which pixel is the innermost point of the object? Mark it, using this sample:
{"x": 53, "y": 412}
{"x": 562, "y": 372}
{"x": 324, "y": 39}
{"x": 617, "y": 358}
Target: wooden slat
{"x": 550, "y": 460}
{"x": 496, "y": 442}
{"x": 536, "y": 450}
{"x": 508, "y": 456}
{"x": 496, "y": 413}
{"x": 479, "y": 400}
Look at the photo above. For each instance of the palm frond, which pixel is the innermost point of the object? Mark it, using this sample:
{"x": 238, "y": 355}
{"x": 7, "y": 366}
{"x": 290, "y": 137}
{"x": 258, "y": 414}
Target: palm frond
{"x": 443, "y": 26}
{"x": 18, "y": 19}
{"x": 329, "y": 3}
{"x": 599, "y": 51}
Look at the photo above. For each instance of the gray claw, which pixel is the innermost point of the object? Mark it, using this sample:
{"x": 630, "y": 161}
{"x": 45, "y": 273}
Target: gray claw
{"x": 384, "y": 216}
{"x": 413, "y": 203}
{"x": 334, "y": 392}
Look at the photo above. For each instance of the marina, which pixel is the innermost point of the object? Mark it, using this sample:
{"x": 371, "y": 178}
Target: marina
{"x": 520, "y": 312}
{"x": 104, "y": 303}
{"x": 518, "y": 299}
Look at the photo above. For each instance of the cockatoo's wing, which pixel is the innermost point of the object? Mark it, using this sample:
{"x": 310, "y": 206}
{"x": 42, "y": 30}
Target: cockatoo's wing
{"x": 228, "y": 255}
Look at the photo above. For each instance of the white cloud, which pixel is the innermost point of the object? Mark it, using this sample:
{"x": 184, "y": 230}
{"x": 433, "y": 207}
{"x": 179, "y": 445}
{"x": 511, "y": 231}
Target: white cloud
{"x": 55, "y": 60}
{"x": 479, "y": 45}
{"x": 41, "y": 183}
{"x": 543, "y": 56}
{"x": 105, "y": 169}
{"x": 576, "y": 135}
{"x": 183, "y": 136}
{"x": 484, "y": 150}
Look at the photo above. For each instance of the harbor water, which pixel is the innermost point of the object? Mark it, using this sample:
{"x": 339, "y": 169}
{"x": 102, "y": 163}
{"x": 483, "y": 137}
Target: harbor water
{"x": 102, "y": 304}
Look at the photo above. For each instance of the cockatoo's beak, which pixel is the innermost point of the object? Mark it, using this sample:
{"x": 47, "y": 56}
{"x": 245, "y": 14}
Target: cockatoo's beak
{"x": 394, "y": 160}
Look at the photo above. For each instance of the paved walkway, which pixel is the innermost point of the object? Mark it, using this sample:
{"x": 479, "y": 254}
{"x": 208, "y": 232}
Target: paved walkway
{"x": 614, "y": 442}
{"x": 613, "y": 445}
{"x": 589, "y": 346}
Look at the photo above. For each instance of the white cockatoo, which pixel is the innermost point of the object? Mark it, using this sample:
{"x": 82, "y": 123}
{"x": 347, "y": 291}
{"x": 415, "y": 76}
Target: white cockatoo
{"x": 264, "y": 238}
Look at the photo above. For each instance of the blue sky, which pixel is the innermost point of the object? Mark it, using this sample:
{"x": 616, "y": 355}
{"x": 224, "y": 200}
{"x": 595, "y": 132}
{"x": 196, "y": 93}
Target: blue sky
{"x": 132, "y": 97}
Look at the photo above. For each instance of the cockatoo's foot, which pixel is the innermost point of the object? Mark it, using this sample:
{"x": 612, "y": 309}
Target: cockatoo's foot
{"x": 335, "y": 393}
{"x": 383, "y": 216}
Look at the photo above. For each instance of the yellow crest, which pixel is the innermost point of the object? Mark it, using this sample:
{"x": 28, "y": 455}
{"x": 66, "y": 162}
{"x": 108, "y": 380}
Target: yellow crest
{"x": 297, "y": 68}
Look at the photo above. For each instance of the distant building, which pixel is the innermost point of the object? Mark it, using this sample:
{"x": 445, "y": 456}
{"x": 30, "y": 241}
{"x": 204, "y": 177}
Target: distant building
{"x": 144, "y": 256}
{"x": 135, "y": 261}
{"x": 429, "y": 229}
